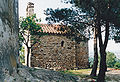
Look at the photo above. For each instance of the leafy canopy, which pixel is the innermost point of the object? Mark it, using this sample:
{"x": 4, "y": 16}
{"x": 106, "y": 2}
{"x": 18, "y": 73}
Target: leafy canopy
{"x": 28, "y": 28}
{"x": 109, "y": 10}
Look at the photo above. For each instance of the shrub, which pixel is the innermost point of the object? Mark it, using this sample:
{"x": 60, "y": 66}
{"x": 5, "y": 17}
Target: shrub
{"x": 117, "y": 65}
{"x": 22, "y": 56}
{"x": 90, "y": 62}
{"x": 111, "y": 59}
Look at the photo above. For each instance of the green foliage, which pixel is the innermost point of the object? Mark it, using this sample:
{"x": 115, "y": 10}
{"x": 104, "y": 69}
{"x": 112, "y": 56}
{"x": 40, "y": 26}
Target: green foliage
{"x": 82, "y": 72}
{"x": 117, "y": 60}
{"x": 84, "y": 13}
{"x": 111, "y": 59}
{"x": 109, "y": 10}
{"x": 117, "y": 65}
{"x": 30, "y": 24}
{"x": 68, "y": 16}
{"x": 91, "y": 62}
{"x": 29, "y": 27}
{"x": 72, "y": 18}
{"x": 22, "y": 55}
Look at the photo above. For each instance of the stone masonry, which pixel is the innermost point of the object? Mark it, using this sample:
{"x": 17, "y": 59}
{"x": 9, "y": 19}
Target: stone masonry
{"x": 57, "y": 52}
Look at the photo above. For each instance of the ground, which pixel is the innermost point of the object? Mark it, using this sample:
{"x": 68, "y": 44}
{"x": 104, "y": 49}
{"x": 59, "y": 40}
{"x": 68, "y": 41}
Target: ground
{"x": 27, "y": 74}
{"x": 112, "y": 75}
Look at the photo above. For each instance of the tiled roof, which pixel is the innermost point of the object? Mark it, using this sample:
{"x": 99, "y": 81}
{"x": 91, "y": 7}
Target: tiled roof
{"x": 53, "y": 28}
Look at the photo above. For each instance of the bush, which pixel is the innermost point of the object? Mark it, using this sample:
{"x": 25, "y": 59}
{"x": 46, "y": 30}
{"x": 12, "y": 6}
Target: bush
{"x": 22, "y": 56}
{"x": 90, "y": 62}
{"x": 111, "y": 59}
{"x": 117, "y": 65}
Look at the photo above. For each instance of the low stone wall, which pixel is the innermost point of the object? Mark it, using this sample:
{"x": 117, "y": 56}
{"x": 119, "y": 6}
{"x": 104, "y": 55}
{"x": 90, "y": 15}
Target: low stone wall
{"x": 59, "y": 53}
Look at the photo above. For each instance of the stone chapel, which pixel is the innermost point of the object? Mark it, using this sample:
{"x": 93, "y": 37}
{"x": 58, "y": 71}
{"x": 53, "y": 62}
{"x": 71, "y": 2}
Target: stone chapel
{"x": 57, "y": 51}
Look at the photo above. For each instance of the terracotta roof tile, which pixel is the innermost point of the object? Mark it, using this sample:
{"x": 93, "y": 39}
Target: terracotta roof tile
{"x": 52, "y": 28}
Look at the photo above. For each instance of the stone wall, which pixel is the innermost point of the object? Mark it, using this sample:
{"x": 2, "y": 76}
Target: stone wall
{"x": 82, "y": 55}
{"x": 59, "y": 53}
{"x": 8, "y": 35}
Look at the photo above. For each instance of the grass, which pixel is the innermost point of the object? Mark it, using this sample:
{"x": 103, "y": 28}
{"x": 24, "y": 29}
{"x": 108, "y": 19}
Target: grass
{"x": 83, "y": 73}
{"x": 77, "y": 72}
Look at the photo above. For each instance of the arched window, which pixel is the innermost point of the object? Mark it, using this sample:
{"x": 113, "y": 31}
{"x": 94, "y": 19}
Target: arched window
{"x": 62, "y": 43}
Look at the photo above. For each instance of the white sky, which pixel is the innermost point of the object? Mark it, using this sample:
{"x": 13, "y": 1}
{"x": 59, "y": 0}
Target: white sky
{"x": 41, "y": 5}
{"x": 112, "y": 47}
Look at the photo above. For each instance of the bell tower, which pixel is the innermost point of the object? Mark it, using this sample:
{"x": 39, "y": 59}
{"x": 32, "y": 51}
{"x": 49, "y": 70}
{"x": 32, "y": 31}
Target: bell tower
{"x": 30, "y": 9}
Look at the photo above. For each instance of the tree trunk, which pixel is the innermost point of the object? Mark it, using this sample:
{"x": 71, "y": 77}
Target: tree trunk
{"x": 101, "y": 75}
{"x": 105, "y": 62}
{"x": 28, "y": 55}
{"x": 95, "y": 62}
{"x": 103, "y": 66}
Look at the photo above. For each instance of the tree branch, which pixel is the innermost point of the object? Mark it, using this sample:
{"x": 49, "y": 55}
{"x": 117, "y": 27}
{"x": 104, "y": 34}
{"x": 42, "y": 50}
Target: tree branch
{"x": 106, "y": 34}
{"x": 87, "y": 24}
{"x": 28, "y": 38}
{"x": 35, "y": 42}
{"x": 100, "y": 35}
{"x": 23, "y": 37}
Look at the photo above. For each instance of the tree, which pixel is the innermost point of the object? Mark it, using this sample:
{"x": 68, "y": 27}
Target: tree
{"x": 105, "y": 13}
{"x": 95, "y": 61}
{"x": 27, "y": 31}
